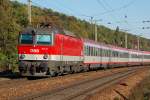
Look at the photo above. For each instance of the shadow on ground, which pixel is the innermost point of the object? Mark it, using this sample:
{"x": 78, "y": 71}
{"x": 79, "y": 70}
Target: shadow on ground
{"x": 10, "y": 75}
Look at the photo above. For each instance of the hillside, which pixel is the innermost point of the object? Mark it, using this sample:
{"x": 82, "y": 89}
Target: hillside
{"x": 13, "y": 18}
{"x": 81, "y": 28}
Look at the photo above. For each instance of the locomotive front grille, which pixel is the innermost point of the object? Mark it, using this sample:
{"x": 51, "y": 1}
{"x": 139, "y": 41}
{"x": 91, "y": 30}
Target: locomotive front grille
{"x": 32, "y": 67}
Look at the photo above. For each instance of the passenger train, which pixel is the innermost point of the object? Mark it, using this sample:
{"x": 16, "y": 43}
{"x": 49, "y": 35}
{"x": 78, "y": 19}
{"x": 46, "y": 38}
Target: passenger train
{"x": 46, "y": 51}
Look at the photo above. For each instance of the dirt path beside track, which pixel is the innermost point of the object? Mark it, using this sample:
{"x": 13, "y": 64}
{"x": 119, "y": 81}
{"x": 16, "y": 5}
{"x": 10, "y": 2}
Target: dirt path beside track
{"x": 122, "y": 89}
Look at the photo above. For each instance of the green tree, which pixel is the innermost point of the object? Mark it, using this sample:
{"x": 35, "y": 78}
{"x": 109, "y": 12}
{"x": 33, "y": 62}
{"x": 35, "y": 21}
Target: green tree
{"x": 8, "y": 31}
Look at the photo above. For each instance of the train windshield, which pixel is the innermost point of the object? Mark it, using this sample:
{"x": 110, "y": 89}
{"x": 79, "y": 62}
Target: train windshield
{"x": 26, "y": 39}
{"x": 44, "y": 39}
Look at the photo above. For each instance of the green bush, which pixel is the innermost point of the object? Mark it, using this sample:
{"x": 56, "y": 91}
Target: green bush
{"x": 2, "y": 61}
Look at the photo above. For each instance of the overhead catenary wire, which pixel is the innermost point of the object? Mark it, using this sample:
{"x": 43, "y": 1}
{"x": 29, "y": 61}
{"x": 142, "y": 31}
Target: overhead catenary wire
{"x": 116, "y": 9}
{"x": 125, "y": 16}
{"x": 106, "y": 9}
{"x": 105, "y": 5}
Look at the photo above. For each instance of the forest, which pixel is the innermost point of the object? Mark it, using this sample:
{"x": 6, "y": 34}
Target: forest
{"x": 14, "y": 17}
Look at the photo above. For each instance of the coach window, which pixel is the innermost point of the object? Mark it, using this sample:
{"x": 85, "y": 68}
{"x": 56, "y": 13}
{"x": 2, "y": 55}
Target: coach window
{"x": 107, "y": 53}
{"x": 94, "y": 51}
{"x": 121, "y": 54}
{"x": 99, "y": 52}
{"x": 85, "y": 51}
{"x": 90, "y": 50}
{"x": 114, "y": 54}
{"x": 148, "y": 56}
{"x": 103, "y": 53}
{"x": 86, "y": 47}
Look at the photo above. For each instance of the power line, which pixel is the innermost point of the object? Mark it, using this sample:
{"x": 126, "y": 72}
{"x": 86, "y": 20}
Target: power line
{"x": 100, "y": 3}
{"x": 125, "y": 16}
{"x": 117, "y": 9}
{"x": 109, "y": 7}
{"x": 105, "y": 8}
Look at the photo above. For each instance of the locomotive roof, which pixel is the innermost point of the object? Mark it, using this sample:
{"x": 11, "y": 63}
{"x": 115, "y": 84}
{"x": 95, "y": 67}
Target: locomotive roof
{"x": 30, "y": 30}
{"x": 47, "y": 30}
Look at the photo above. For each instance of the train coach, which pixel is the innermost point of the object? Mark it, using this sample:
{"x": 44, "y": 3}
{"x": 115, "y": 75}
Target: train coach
{"x": 49, "y": 52}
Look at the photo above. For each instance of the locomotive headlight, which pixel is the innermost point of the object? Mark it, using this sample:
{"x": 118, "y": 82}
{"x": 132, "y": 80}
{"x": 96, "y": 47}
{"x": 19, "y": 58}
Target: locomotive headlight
{"x": 45, "y": 56}
{"x": 22, "y": 56}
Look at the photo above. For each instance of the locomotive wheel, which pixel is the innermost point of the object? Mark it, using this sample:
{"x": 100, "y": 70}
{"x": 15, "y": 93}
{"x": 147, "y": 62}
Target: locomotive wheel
{"x": 60, "y": 74}
{"x": 71, "y": 70}
{"x": 53, "y": 73}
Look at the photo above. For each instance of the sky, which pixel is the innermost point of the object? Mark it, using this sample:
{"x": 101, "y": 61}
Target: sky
{"x": 129, "y": 15}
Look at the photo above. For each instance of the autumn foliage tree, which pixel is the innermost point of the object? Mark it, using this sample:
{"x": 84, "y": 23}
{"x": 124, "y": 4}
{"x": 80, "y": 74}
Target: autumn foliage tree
{"x": 8, "y": 33}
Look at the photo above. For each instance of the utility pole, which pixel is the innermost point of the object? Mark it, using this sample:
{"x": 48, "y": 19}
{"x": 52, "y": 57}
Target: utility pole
{"x": 125, "y": 37}
{"x": 95, "y": 32}
{"x": 91, "y": 20}
{"x": 126, "y": 40}
{"x": 138, "y": 41}
{"x": 29, "y": 11}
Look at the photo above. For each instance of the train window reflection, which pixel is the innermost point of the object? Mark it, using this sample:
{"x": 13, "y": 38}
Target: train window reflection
{"x": 44, "y": 39}
{"x": 26, "y": 39}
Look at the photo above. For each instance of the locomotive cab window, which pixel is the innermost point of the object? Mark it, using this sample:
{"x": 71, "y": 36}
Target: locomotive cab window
{"x": 26, "y": 39}
{"x": 44, "y": 39}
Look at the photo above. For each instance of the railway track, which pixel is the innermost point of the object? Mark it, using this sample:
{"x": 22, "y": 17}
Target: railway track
{"x": 19, "y": 81}
{"x": 83, "y": 88}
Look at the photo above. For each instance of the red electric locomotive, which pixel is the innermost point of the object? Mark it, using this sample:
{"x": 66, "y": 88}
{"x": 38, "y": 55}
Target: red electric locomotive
{"x": 44, "y": 51}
